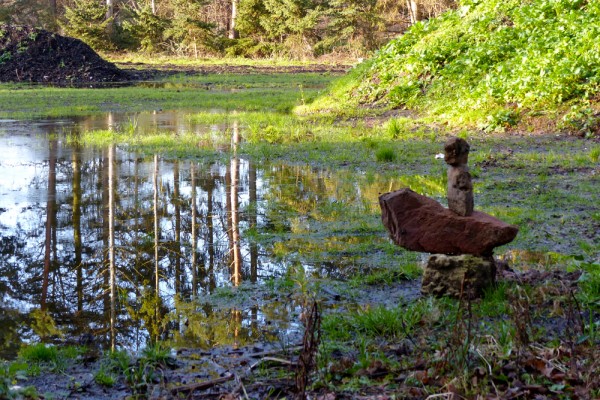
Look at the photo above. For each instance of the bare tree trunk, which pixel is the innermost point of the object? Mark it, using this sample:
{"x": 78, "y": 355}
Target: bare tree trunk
{"x": 153, "y": 6}
{"x": 110, "y": 9}
{"x": 414, "y": 10}
{"x": 110, "y": 13}
{"x": 233, "y": 33}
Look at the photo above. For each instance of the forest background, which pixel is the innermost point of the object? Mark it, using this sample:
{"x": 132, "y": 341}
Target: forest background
{"x": 295, "y": 29}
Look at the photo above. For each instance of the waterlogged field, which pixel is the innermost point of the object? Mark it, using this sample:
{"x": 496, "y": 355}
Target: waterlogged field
{"x": 201, "y": 214}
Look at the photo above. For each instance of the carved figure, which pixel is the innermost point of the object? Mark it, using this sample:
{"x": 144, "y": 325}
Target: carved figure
{"x": 460, "y": 188}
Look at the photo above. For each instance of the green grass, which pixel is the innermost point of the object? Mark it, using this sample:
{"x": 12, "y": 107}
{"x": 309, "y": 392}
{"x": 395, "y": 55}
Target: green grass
{"x": 296, "y": 81}
{"x": 281, "y": 94}
{"x": 39, "y": 353}
{"x": 214, "y": 61}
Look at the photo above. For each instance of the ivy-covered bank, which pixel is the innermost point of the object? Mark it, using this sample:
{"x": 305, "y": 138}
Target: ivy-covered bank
{"x": 493, "y": 64}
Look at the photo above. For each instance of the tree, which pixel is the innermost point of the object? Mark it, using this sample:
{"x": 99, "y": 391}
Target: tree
{"x": 353, "y": 26}
{"x": 145, "y": 27}
{"x": 289, "y": 25}
{"x": 186, "y": 30}
{"x": 87, "y": 20}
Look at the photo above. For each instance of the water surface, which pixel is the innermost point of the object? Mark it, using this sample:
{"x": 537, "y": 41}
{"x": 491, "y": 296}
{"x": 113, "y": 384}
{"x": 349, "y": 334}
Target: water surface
{"x": 124, "y": 246}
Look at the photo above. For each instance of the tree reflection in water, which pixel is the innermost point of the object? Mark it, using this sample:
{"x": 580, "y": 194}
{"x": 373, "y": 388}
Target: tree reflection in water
{"x": 122, "y": 245}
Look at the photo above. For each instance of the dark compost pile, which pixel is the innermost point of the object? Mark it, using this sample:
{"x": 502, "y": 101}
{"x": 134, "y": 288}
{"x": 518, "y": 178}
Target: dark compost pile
{"x": 30, "y": 54}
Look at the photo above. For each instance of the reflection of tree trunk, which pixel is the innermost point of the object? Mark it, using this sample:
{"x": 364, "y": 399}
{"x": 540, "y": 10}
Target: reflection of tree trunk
{"x": 236, "y": 321}
{"x": 253, "y": 222}
{"x": 111, "y": 243}
{"x": 76, "y": 163}
{"x": 155, "y": 207}
{"x": 228, "y": 197}
{"x": 177, "y": 247}
{"x": 234, "y": 203}
{"x": 156, "y": 233}
{"x": 194, "y": 232}
{"x": 105, "y": 232}
{"x": 50, "y": 210}
{"x": 211, "y": 236}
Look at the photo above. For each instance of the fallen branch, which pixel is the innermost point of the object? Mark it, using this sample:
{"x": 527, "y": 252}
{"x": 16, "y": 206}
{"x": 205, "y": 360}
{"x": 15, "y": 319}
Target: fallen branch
{"x": 275, "y": 359}
{"x": 270, "y": 352}
{"x": 202, "y": 385}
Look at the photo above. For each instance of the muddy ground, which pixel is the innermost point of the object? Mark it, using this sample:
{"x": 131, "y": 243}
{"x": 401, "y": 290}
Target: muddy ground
{"x": 145, "y": 72}
{"x": 408, "y": 370}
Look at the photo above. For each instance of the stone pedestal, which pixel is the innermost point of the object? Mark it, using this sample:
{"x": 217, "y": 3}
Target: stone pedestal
{"x": 463, "y": 275}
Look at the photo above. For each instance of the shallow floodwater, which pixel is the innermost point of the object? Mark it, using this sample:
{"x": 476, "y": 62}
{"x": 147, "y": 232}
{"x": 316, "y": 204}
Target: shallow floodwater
{"x": 120, "y": 246}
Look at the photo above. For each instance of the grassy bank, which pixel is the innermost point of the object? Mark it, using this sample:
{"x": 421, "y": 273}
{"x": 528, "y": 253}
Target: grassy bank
{"x": 488, "y": 64}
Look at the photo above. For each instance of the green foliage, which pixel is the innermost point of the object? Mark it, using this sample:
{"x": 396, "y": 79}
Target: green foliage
{"x": 39, "y": 353}
{"x": 40, "y": 357}
{"x": 385, "y": 154}
{"x": 501, "y": 119}
{"x": 104, "y": 378}
{"x": 43, "y": 324}
{"x": 86, "y": 20}
{"x": 185, "y": 31}
{"x": 146, "y": 28}
{"x": 157, "y": 355}
{"x": 488, "y": 62}
{"x": 27, "y": 12}
{"x": 4, "y": 57}
{"x": 9, "y": 375}
{"x": 581, "y": 118}
{"x": 352, "y": 26}
{"x": 288, "y": 25}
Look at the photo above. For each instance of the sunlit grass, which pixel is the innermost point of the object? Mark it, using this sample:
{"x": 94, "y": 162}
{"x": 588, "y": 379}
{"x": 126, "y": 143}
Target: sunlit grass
{"x": 156, "y": 59}
{"x": 280, "y": 95}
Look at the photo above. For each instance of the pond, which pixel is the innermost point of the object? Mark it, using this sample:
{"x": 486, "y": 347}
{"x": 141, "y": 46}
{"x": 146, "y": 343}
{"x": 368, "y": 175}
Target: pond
{"x": 122, "y": 247}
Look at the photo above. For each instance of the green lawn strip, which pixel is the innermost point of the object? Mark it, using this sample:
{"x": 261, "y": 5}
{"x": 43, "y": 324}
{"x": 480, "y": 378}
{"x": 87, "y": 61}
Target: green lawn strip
{"x": 288, "y": 90}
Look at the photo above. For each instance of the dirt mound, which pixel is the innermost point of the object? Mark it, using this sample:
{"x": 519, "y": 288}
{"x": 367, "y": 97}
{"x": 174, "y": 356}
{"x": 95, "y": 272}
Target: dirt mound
{"x": 35, "y": 55}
